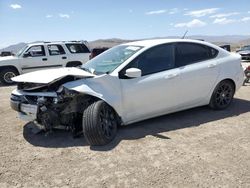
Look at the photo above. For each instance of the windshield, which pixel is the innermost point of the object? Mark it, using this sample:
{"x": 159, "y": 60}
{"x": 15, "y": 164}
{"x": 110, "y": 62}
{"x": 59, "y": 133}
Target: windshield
{"x": 246, "y": 48}
{"x": 21, "y": 51}
{"x": 111, "y": 59}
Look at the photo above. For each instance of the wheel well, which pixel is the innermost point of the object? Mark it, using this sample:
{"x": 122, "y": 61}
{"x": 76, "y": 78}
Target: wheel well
{"x": 73, "y": 64}
{"x": 9, "y": 67}
{"x": 91, "y": 99}
{"x": 230, "y": 80}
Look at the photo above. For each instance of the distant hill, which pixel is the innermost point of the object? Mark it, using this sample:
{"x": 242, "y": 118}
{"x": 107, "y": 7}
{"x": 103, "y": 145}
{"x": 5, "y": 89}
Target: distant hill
{"x": 107, "y": 42}
{"x": 245, "y": 42}
{"x": 234, "y": 40}
{"x": 14, "y": 48}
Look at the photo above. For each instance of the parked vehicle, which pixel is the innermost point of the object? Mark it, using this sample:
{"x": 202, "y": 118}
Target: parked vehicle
{"x": 129, "y": 83}
{"x": 245, "y": 52}
{"x": 96, "y": 51}
{"x": 37, "y": 56}
{"x": 245, "y": 65}
{"x": 226, "y": 47}
{"x": 247, "y": 75}
{"x": 6, "y": 53}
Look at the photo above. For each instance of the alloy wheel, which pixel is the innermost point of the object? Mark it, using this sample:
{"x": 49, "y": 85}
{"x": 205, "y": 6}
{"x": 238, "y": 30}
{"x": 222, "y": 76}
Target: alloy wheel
{"x": 108, "y": 121}
{"x": 224, "y": 95}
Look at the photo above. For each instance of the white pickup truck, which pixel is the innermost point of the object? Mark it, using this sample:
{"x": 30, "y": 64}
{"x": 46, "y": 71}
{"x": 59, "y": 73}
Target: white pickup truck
{"x": 38, "y": 56}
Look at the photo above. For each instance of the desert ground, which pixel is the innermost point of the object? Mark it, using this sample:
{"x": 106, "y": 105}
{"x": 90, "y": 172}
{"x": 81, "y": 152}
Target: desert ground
{"x": 194, "y": 148}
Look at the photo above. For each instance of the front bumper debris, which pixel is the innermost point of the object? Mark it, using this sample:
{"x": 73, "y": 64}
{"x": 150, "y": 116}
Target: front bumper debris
{"x": 26, "y": 111}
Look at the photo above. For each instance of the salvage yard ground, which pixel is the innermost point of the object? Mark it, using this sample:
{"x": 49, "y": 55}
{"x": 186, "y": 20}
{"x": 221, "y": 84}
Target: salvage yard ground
{"x": 193, "y": 148}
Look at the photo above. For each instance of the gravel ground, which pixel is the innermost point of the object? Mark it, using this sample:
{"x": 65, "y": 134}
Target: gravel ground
{"x": 193, "y": 148}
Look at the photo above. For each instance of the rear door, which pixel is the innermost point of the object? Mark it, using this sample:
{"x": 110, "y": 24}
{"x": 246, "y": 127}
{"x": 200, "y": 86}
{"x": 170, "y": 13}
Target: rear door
{"x": 57, "y": 56}
{"x": 198, "y": 71}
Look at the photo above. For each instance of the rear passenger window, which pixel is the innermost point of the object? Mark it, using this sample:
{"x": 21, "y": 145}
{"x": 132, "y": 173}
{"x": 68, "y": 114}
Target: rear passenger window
{"x": 188, "y": 53}
{"x": 77, "y": 48}
{"x": 55, "y": 49}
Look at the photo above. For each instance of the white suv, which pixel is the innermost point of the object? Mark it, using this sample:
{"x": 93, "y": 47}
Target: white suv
{"x": 37, "y": 56}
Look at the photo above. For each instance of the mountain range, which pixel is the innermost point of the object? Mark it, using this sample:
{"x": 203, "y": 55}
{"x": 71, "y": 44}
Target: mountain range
{"x": 235, "y": 40}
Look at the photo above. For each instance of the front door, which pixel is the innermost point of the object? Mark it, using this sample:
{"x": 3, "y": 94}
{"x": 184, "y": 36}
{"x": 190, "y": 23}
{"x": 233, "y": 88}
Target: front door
{"x": 35, "y": 58}
{"x": 155, "y": 92}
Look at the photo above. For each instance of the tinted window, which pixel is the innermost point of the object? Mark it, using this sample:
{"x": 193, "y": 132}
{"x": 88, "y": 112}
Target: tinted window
{"x": 188, "y": 53}
{"x": 77, "y": 48}
{"x": 55, "y": 49}
{"x": 36, "y": 51}
{"x": 156, "y": 59}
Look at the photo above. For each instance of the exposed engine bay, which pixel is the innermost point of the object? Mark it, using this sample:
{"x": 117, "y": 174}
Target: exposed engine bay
{"x": 51, "y": 105}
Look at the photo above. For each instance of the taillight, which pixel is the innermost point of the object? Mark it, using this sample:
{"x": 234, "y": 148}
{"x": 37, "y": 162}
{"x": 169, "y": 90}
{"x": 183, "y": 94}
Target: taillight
{"x": 248, "y": 68}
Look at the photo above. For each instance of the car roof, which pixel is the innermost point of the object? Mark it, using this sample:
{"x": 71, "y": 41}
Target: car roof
{"x": 57, "y": 42}
{"x": 154, "y": 42}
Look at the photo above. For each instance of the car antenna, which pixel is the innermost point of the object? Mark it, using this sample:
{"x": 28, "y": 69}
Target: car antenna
{"x": 184, "y": 34}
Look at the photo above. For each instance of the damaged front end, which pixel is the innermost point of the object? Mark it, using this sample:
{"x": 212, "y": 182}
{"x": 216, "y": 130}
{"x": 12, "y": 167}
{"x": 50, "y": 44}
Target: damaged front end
{"x": 50, "y": 105}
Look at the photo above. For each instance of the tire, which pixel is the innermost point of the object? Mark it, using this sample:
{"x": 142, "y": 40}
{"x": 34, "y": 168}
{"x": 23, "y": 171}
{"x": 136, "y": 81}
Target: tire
{"x": 6, "y": 75}
{"x": 222, "y": 95}
{"x": 99, "y": 123}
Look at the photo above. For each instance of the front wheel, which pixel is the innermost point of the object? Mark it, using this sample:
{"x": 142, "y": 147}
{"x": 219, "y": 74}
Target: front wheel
{"x": 222, "y": 95}
{"x": 99, "y": 123}
{"x": 6, "y": 75}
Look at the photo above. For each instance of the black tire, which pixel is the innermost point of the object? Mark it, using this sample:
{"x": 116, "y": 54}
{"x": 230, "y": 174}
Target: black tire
{"x": 222, "y": 95}
{"x": 99, "y": 123}
{"x": 6, "y": 75}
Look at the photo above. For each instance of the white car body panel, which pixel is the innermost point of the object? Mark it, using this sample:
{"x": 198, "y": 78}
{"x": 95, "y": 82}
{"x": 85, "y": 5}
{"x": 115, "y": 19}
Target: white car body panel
{"x": 136, "y": 93}
{"x": 40, "y": 94}
{"x": 104, "y": 87}
{"x": 7, "y": 58}
{"x": 47, "y": 76}
{"x": 155, "y": 94}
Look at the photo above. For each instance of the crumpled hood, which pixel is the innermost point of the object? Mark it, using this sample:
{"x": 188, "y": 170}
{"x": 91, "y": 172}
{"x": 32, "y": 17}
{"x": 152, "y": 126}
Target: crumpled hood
{"x": 50, "y": 75}
{"x": 244, "y": 52}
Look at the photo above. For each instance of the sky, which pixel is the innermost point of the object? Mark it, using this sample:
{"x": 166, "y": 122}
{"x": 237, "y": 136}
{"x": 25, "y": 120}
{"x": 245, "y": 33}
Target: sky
{"x": 53, "y": 20}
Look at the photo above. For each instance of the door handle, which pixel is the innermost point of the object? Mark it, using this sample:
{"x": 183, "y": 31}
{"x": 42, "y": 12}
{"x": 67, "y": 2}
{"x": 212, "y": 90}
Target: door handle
{"x": 44, "y": 59}
{"x": 171, "y": 76}
{"x": 64, "y": 57}
{"x": 212, "y": 65}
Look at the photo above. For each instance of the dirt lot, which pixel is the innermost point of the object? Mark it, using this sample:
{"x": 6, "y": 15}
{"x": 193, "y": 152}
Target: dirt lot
{"x": 194, "y": 148}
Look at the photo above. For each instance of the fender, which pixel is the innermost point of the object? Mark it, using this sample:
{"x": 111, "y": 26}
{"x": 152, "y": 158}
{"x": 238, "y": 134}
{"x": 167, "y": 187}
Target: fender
{"x": 104, "y": 87}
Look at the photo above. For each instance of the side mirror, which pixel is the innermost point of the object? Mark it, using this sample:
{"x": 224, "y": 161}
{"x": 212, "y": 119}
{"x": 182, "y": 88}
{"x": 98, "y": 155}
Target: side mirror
{"x": 133, "y": 73}
{"x": 26, "y": 54}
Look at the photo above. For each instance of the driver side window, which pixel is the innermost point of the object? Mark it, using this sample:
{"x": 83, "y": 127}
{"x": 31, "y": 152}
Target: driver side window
{"x": 156, "y": 59}
{"x": 36, "y": 51}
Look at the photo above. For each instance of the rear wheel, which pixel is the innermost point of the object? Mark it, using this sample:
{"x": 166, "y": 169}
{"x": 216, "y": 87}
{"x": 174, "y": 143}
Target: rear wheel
{"x": 7, "y": 74}
{"x": 222, "y": 95}
{"x": 99, "y": 123}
